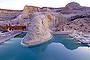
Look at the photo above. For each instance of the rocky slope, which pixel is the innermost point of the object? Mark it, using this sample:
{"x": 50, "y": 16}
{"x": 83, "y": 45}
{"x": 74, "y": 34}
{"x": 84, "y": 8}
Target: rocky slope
{"x": 82, "y": 24}
{"x": 6, "y": 14}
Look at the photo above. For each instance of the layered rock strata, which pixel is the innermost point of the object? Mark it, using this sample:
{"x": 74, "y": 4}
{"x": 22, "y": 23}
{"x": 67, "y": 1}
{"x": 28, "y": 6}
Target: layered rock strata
{"x": 38, "y": 30}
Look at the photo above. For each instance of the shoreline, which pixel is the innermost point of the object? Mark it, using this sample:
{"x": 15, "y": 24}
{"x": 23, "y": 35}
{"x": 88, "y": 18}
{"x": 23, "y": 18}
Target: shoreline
{"x": 62, "y": 32}
{"x": 36, "y": 42}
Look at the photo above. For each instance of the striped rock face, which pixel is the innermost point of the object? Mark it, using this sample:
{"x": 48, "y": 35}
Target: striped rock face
{"x": 38, "y": 29}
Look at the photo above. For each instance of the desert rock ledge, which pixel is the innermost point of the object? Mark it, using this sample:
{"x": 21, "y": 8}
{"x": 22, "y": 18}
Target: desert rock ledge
{"x": 38, "y": 30}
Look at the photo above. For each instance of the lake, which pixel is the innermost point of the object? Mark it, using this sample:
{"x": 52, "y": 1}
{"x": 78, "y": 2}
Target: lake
{"x": 60, "y": 47}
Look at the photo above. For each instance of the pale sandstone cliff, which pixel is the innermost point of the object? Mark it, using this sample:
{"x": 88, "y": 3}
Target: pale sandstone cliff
{"x": 38, "y": 30}
{"x": 30, "y": 9}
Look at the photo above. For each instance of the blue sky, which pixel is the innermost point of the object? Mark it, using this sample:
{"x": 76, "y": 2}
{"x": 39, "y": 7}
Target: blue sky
{"x": 19, "y": 4}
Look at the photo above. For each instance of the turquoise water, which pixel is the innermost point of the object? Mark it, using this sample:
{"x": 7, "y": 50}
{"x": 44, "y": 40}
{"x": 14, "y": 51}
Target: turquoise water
{"x": 21, "y": 35}
{"x": 61, "y": 47}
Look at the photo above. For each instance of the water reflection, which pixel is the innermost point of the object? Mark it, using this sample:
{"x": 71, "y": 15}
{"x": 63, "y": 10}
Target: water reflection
{"x": 69, "y": 43}
{"x": 40, "y": 48}
{"x": 55, "y": 49}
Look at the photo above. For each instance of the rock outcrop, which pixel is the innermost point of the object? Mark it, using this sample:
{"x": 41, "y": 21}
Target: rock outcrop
{"x": 73, "y": 5}
{"x": 38, "y": 30}
{"x": 30, "y": 9}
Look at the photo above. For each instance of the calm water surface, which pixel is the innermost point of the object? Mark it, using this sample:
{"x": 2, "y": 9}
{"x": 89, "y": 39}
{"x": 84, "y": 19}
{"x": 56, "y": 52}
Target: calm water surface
{"x": 61, "y": 47}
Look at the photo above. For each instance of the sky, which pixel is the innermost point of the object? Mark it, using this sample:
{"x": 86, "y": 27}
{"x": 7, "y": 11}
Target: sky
{"x": 19, "y": 4}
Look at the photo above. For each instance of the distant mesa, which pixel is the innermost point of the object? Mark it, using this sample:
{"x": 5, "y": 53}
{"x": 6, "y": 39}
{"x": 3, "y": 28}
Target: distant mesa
{"x": 30, "y": 9}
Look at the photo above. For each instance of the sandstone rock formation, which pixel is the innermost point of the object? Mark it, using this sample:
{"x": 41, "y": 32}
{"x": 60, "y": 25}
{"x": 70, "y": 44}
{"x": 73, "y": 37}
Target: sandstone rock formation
{"x": 30, "y": 9}
{"x": 73, "y": 5}
{"x": 38, "y": 30}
